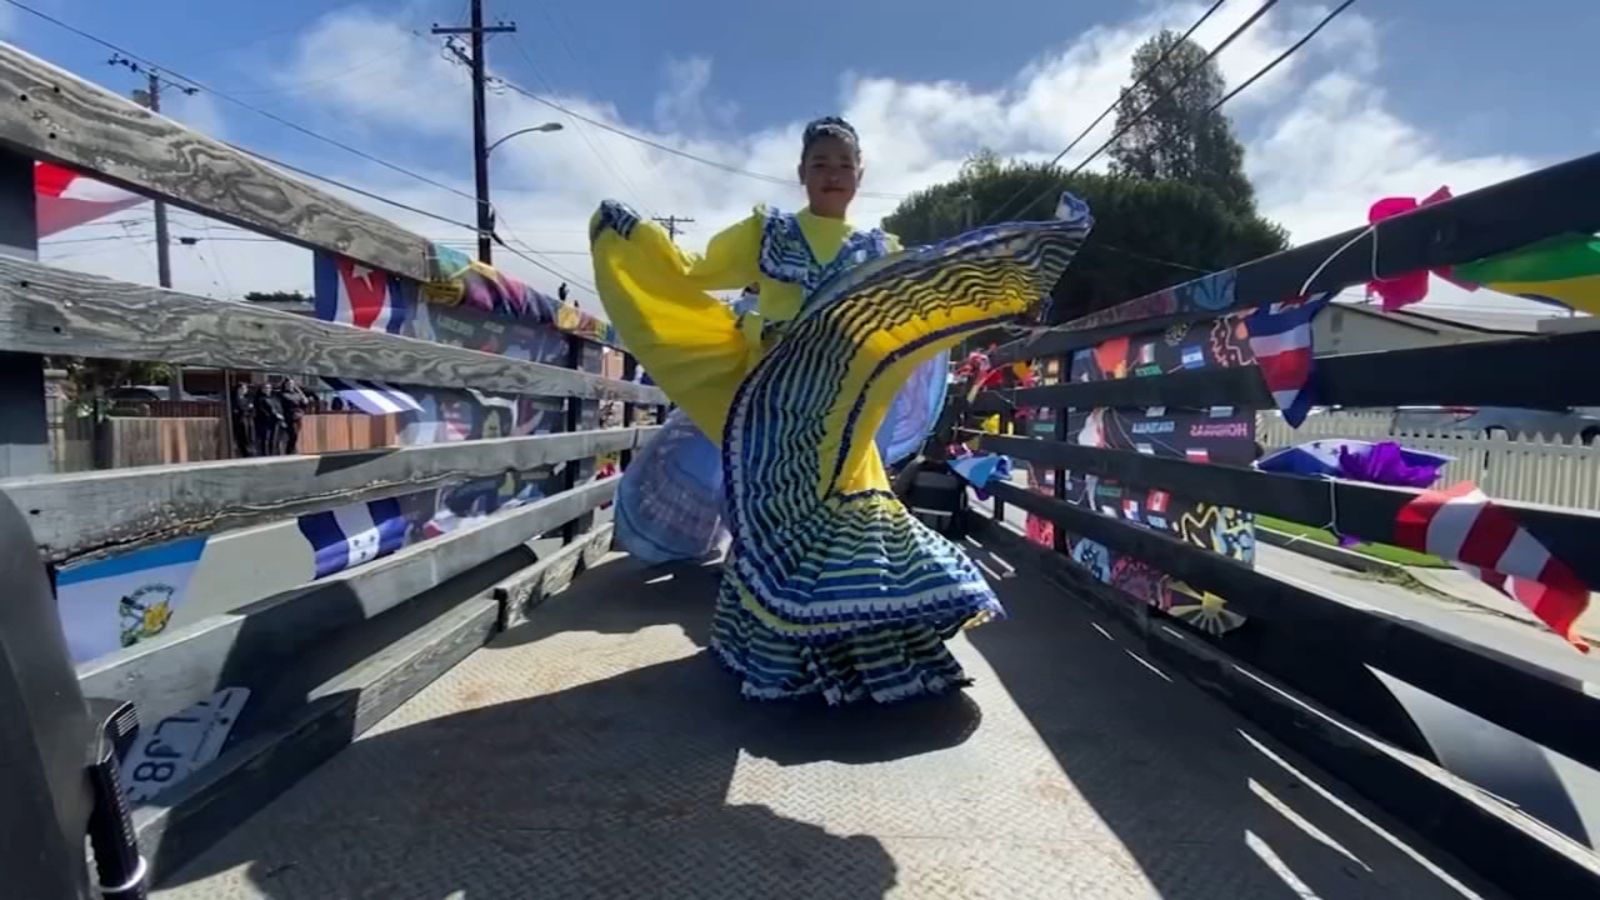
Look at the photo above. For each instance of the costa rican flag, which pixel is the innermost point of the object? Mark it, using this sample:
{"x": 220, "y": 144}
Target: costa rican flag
{"x": 1197, "y": 455}
{"x": 353, "y": 294}
{"x": 64, "y": 199}
{"x": 1462, "y": 525}
{"x": 1280, "y": 338}
{"x": 375, "y": 398}
{"x": 354, "y": 534}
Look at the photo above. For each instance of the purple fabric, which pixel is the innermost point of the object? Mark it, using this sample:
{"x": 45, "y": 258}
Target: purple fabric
{"x": 1386, "y": 462}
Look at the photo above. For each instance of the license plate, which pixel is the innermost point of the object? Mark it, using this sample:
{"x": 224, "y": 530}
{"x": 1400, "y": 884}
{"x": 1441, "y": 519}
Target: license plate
{"x": 180, "y": 745}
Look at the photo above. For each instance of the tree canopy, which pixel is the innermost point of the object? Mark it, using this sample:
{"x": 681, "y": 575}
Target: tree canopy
{"x": 1180, "y": 138}
{"x": 1148, "y": 234}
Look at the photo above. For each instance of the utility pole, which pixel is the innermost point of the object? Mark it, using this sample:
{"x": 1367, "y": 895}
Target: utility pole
{"x": 480, "y": 136}
{"x": 671, "y": 224}
{"x": 150, "y": 98}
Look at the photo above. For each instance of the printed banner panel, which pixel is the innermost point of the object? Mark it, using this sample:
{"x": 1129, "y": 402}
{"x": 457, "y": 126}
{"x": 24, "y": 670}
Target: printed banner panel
{"x": 1220, "y": 435}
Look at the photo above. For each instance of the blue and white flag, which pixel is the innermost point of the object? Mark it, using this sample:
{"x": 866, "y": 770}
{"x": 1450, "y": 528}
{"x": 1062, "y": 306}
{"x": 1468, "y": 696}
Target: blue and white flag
{"x": 113, "y": 603}
{"x": 373, "y": 397}
{"x": 354, "y": 534}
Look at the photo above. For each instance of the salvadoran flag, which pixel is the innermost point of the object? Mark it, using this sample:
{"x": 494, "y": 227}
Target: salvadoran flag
{"x": 1280, "y": 338}
{"x": 354, "y": 294}
{"x": 375, "y": 398}
{"x": 65, "y": 199}
{"x": 354, "y": 534}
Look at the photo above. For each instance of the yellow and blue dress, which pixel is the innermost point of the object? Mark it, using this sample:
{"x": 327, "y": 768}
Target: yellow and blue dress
{"x": 831, "y": 587}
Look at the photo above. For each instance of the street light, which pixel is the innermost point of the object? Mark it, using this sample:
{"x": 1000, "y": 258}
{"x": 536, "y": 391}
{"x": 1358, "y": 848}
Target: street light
{"x": 546, "y": 127}
{"x": 485, "y": 211}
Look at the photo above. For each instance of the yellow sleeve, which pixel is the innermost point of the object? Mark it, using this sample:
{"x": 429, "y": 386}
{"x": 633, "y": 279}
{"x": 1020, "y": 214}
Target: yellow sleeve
{"x": 655, "y": 295}
{"x": 730, "y": 262}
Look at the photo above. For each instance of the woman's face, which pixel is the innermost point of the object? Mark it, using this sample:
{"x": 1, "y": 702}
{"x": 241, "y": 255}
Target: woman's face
{"x": 831, "y": 172}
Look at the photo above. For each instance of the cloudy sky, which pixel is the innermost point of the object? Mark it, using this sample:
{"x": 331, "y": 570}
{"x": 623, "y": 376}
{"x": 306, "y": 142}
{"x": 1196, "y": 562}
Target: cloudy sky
{"x": 1394, "y": 98}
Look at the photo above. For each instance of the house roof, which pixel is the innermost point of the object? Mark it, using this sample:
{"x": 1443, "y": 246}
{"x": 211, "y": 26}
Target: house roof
{"x": 1458, "y": 319}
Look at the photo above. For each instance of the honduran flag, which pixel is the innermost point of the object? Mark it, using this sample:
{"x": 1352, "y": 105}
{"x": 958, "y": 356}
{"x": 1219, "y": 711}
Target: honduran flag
{"x": 65, "y": 199}
{"x": 354, "y": 294}
{"x": 1280, "y": 338}
{"x": 1461, "y": 525}
{"x": 355, "y": 534}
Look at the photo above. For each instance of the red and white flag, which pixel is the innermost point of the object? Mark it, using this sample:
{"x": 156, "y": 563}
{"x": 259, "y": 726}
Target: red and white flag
{"x": 66, "y": 199}
{"x": 1461, "y": 525}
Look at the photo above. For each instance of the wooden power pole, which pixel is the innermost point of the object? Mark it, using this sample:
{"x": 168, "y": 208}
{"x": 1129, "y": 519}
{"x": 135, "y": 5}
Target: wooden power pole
{"x": 671, "y": 224}
{"x": 480, "y": 128}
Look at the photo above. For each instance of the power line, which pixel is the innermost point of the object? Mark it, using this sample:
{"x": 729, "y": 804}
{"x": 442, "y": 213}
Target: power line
{"x": 352, "y": 188}
{"x": 1139, "y": 116}
{"x": 237, "y": 102}
{"x": 599, "y": 150}
{"x": 1284, "y": 55}
{"x": 1184, "y": 78}
{"x": 734, "y": 170}
{"x": 1141, "y": 79}
{"x": 581, "y": 64}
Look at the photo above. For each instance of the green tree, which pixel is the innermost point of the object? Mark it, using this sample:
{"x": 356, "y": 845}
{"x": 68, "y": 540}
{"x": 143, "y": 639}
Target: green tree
{"x": 1148, "y": 234}
{"x": 88, "y": 379}
{"x": 1179, "y": 138}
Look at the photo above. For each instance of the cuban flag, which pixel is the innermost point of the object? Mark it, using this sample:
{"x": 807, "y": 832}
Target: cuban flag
{"x": 65, "y": 199}
{"x": 1280, "y": 338}
{"x": 354, "y": 534}
{"x": 354, "y": 294}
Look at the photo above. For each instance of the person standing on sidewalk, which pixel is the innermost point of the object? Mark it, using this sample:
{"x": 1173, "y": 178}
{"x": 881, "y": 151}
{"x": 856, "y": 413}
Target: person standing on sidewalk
{"x": 268, "y": 420}
{"x": 292, "y": 404}
{"x": 239, "y": 413}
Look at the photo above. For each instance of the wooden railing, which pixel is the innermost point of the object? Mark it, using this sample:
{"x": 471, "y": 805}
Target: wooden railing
{"x": 323, "y": 660}
{"x": 1318, "y": 672}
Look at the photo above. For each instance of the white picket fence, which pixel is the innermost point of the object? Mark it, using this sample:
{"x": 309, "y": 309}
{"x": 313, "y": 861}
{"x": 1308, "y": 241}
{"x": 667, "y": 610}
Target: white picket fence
{"x": 1531, "y": 470}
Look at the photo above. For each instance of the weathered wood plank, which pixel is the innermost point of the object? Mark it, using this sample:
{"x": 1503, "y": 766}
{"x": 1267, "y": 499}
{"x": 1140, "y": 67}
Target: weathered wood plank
{"x": 523, "y": 592}
{"x": 53, "y": 115}
{"x": 1500, "y": 842}
{"x": 183, "y": 822}
{"x": 51, "y": 311}
{"x": 85, "y": 515}
{"x": 247, "y": 648}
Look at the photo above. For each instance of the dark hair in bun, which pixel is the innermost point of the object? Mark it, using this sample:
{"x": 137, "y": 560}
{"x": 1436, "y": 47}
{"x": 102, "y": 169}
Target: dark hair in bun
{"x": 829, "y": 126}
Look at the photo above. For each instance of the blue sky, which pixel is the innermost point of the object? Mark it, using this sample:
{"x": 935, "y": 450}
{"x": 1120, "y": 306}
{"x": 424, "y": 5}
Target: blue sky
{"x": 1395, "y": 97}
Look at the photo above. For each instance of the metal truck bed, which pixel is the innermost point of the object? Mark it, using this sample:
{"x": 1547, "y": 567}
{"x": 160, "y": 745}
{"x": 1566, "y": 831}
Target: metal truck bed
{"x": 598, "y": 752}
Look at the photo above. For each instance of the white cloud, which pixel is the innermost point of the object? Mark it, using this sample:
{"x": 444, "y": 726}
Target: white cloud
{"x": 1321, "y": 143}
{"x": 686, "y": 104}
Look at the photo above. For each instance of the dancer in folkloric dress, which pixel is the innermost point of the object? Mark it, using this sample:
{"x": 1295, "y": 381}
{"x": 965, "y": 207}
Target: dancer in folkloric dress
{"x": 831, "y": 587}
